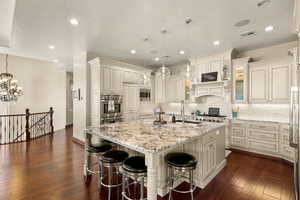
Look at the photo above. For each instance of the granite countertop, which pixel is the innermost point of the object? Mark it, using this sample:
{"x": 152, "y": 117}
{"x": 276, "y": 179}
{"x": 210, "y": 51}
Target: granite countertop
{"x": 263, "y": 119}
{"x": 143, "y": 136}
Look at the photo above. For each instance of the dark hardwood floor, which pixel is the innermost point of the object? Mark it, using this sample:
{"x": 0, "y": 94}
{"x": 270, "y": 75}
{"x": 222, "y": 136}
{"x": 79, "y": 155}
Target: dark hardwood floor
{"x": 51, "y": 169}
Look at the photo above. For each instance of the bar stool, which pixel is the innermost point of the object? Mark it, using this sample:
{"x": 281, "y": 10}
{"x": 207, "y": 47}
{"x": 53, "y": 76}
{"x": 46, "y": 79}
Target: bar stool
{"x": 180, "y": 163}
{"x": 111, "y": 160}
{"x": 134, "y": 168}
{"x": 93, "y": 150}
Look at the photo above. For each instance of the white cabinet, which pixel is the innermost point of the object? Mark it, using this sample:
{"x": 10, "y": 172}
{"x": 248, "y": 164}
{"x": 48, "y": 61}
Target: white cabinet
{"x": 269, "y": 84}
{"x": 175, "y": 89}
{"x": 279, "y": 84}
{"x": 258, "y": 77}
{"x": 131, "y": 98}
{"x": 209, "y": 158}
{"x": 212, "y": 90}
{"x": 240, "y": 80}
{"x": 265, "y": 138}
{"x": 117, "y": 81}
{"x": 160, "y": 89}
{"x": 208, "y": 66}
{"x": 111, "y": 80}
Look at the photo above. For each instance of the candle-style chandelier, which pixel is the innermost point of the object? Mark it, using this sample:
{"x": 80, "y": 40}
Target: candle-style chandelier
{"x": 9, "y": 89}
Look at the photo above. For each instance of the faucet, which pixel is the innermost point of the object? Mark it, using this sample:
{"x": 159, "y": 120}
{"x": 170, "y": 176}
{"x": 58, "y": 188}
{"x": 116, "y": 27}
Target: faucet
{"x": 182, "y": 111}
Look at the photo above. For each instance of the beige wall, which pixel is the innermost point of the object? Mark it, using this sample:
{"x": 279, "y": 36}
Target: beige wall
{"x": 277, "y": 54}
{"x": 44, "y": 86}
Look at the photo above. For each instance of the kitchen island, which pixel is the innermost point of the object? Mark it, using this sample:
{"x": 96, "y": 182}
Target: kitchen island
{"x": 206, "y": 141}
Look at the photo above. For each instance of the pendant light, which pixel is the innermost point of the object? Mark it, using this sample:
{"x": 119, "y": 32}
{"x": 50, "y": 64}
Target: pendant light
{"x": 9, "y": 89}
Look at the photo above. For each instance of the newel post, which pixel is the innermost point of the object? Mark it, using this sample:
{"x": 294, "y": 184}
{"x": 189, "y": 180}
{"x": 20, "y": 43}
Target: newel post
{"x": 51, "y": 120}
{"x": 27, "y": 115}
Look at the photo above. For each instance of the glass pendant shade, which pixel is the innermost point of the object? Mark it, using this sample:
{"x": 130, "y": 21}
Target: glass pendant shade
{"x": 164, "y": 71}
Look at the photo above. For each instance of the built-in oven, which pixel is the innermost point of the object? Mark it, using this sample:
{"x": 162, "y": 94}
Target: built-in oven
{"x": 111, "y": 108}
{"x": 145, "y": 94}
{"x": 210, "y": 76}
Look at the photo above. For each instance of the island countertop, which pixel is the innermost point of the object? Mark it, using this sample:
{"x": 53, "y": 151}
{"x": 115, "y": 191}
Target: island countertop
{"x": 144, "y": 137}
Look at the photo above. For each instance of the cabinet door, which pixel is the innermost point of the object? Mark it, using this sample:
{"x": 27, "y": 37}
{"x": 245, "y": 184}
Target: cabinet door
{"x": 209, "y": 158}
{"x": 216, "y": 66}
{"x": 180, "y": 89}
{"x": 131, "y": 101}
{"x": 117, "y": 81}
{"x": 159, "y": 90}
{"x": 279, "y": 84}
{"x": 258, "y": 84}
{"x": 106, "y": 79}
{"x": 95, "y": 92}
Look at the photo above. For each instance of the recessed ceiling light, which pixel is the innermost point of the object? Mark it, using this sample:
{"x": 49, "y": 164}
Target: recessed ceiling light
{"x": 217, "y": 42}
{"x": 74, "y": 22}
{"x": 133, "y": 51}
{"x": 55, "y": 60}
{"x": 269, "y": 28}
{"x": 181, "y": 52}
{"x": 51, "y": 47}
{"x": 156, "y": 59}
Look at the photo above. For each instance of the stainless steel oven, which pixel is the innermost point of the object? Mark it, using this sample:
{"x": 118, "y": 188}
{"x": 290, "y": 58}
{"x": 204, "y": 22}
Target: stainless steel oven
{"x": 111, "y": 108}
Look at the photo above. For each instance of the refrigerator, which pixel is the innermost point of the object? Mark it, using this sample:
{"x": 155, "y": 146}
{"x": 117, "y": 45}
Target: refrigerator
{"x": 294, "y": 118}
{"x": 294, "y": 133}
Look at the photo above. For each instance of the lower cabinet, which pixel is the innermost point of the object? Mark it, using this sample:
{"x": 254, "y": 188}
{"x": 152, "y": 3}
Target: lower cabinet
{"x": 261, "y": 137}
{"x": 209, "y": 158}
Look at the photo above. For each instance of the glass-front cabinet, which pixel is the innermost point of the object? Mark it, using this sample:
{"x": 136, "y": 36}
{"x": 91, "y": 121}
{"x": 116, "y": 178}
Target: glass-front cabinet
{"x": 240, "y": 80}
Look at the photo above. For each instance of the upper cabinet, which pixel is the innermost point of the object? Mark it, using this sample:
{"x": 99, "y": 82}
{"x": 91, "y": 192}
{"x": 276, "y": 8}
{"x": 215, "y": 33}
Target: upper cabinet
{"x": 269, "y": 84}
{"x": 206, "y": 67}
{"x": 175, "y": 89}
{"x": 111, "y": 80}
{"x": 160, "y": 89}
{"x": 240, "y": 80}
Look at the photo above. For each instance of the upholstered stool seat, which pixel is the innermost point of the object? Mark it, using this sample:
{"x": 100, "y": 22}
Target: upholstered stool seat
{"x": 135, "y": 164}
{"x": 181, "y": 159}
{"x": 99, "y": 148}
{"x": 114, "y": 156}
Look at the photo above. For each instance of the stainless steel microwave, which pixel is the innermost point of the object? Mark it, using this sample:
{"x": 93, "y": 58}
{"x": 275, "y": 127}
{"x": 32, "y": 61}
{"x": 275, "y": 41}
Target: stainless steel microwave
{"x": 208, "y": 77}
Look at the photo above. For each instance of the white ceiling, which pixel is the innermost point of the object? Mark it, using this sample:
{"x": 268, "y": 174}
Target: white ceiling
{"x": 112, "y": 28}
{"x": 7, "y": 10}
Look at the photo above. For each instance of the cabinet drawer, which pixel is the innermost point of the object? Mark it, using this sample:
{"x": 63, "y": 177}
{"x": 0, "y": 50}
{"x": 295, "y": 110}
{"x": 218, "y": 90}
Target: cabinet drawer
{"x": 238, "y": 132}
{"x": 285, "y": 139}
{"x": 264, "y": 127}
{"x": 239, "y": 124}
{"x": 209, "y": 137}
{"x": 287, "y": 151}
{"x": 262, "y": 135}
{"x": 263, "y": 146}
{"x": 238, "y": 142}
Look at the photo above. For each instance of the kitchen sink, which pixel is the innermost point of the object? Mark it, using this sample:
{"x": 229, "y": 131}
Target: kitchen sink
{"x": 189, "y": 122}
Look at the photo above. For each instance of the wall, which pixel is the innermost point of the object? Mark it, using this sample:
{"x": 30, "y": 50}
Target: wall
{"x": 80, "y": 119}
{"x": 69, "y": 98}
{"x": 44, "y": 86}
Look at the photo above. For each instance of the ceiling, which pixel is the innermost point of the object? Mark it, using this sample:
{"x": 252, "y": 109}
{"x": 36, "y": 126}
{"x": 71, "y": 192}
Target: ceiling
{"x": 112, "y": 28}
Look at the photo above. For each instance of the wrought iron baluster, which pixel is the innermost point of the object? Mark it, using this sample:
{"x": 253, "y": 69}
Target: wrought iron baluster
{"x": 17, "y": 127}
{"x": 14, "y": 134}
{"x": 9, "y": 138}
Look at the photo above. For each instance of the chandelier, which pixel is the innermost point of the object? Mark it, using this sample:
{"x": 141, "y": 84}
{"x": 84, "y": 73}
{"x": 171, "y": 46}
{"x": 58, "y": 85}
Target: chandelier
{"x": 164, "y": 71}
{"x": 9, "y": 89}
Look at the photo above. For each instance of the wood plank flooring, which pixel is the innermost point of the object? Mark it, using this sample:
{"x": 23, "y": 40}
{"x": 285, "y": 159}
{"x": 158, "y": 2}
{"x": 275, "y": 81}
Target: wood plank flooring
{"x": 51, "y": 169}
